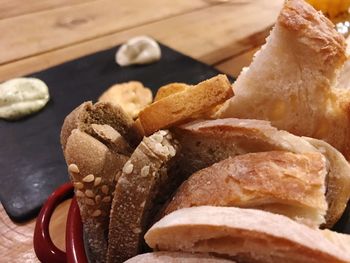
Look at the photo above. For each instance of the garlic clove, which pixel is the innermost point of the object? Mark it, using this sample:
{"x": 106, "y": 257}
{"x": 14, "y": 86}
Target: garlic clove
{"x": 138, "y": 50}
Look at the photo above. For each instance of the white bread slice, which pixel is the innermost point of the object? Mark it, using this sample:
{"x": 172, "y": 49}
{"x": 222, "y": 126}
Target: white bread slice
{"x": 207, "y": 142}
{"x": 247, "y": 235}
{"x": 176, "y": 257}
{"x": 340, "y": 240}
{"x": 279, "y": 182}
{"x": 143, "y": 177}
{"x": 290, "y": 81}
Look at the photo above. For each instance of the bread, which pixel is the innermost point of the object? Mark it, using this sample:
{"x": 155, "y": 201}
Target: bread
{"x": 95, "y": 151}
{"x": 102, "y": 113}
{"x": 280, "y": 182}
{"x": 340, "y": 240}
{"x": 93, "y": 167}
{"x": 207, "y": 142}
{"x": 176, "y": 257}
{"x": 131, "y": 96}
{"x": 181, "y": 106}
{"x": 143, "y": 177}
{"x": 170, "y": 89}
{"x": 338, "y": 181}
{"x": 247, "y": 235}
{"x": 291, "y": 79}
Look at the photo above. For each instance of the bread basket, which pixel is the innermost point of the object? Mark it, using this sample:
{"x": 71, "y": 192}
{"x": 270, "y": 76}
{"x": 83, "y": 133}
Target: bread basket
{"x": 44, "y": 248}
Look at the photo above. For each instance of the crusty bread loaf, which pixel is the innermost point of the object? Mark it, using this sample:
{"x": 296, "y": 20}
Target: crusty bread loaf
{"x": 176, "y": 257}
{"x": 93, "y": 167}
{"x": 280, "y": 182}
{"x": 338, "y": 181}
{"x": 182, "y": 106}
{"x": 247, "y": 235}
{"x": 131, "y": 96}
{"x": 102, "y": 113}
{"x": 207, "y": 142}
{"x": 291, "y": 79}
{"x": 142, "y": 178}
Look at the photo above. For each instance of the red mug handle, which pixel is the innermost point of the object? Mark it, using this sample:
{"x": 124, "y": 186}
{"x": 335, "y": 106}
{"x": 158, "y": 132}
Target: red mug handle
{"x": 44, "y": 248}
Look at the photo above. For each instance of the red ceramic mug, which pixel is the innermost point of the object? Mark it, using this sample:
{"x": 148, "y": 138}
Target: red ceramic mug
{"x": 44, "y": 248}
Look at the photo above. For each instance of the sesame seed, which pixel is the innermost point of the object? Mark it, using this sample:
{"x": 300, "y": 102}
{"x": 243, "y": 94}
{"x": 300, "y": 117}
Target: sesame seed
{"x": 97, "y": 181}
{"x": 106, "y": 199}
{"x": 96, "y": 213}
{"x": 79, "y": 193}
{"x": 136, "y": 230}
{"x": 89, "y": 193}
{"x": 145, "y": 171}
{"x": 78, "y": 185}
{"x": 128, "y": 167}
{"x": 89, "y": 201}
{"x": 143, "y": 204}
{"x": 118, "y": 174}
{"x": 73, "y": 168}
{"x": 172, "y": 151}
{"x": 89, "y": 178}
{"x": 105, "y": 189}
{"x": 97, "y": 199}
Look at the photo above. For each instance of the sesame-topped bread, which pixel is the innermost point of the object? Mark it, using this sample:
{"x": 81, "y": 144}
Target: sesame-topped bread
{"x": 95, "y": 151}
{"x": 292, "y": 79}
{"x": 281, "y": 182}
{"x": 143, "y": 176}
{"x": 204, "y": 143}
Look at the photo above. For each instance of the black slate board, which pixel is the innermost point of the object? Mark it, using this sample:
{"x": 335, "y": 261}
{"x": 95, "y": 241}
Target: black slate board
{"x": 31, "y": 161}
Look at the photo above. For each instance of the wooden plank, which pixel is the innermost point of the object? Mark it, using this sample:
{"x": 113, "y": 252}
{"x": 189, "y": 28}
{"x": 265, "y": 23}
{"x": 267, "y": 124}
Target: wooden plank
{"x": 11, "y": 8}
{"x": 64, "y": 26}
{"x": 233, "y": 29}
{"x": 16, "y": 240}
{"x": 234, "y": 65}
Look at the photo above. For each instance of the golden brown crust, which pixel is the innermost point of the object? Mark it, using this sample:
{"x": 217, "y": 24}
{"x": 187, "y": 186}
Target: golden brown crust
{"x": 313, "y": 28}
{"x": 280, "y": 182}
{"x": 181, "y": 106}
{"x": 248, "y": 234}
{"x": 170, "y": 89}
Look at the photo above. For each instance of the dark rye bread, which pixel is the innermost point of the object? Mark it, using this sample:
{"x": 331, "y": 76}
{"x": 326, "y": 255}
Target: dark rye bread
{"x": 204, "y": 143}
{"x": 93, "y": 169}
{"x": 143, "y": 177}
{"x": 95, "y": 150}
{"x": 102, "y": 113}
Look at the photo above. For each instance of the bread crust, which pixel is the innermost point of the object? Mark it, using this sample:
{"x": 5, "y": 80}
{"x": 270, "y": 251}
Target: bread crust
{"x": 176, "y": 257}
{"x": 280, "y": 182}
{"x": 142, "y": 177}
{"x": 245, "y": 234}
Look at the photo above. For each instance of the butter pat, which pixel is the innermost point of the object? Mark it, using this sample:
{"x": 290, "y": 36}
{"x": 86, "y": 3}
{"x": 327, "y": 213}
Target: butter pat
{"x": 21, "y": 97}
{"x": 138, "y": 50}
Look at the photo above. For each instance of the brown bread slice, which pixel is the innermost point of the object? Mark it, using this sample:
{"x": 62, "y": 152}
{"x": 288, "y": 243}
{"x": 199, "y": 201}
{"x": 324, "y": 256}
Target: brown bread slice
{"x": 247, "y": 235}
{"x": 143, "y": 177}
{"x": 182, "y": 106}
{"x": 280, "y": 182}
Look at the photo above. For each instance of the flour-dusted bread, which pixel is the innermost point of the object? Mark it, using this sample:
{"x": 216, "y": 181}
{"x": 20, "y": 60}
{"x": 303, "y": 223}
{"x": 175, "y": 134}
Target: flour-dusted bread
{"x": 143, "y": 176}
{"x": 291, "y": 79}
{"x": 176, "y": 257}
{"x": 247, "y": 235}
{"x": 184, "y": 105}
{"x": 95, "y": 151}
{"x": 280, "y": 182}
{"x": 207, "y": 142}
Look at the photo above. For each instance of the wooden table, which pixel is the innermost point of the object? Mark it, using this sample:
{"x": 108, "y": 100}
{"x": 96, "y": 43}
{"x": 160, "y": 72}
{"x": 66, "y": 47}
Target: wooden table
{"x": 38, "y": 34}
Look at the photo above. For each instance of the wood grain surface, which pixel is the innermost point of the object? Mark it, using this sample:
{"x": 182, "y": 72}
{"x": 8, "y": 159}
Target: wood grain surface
{"x": 44, "y": 33}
